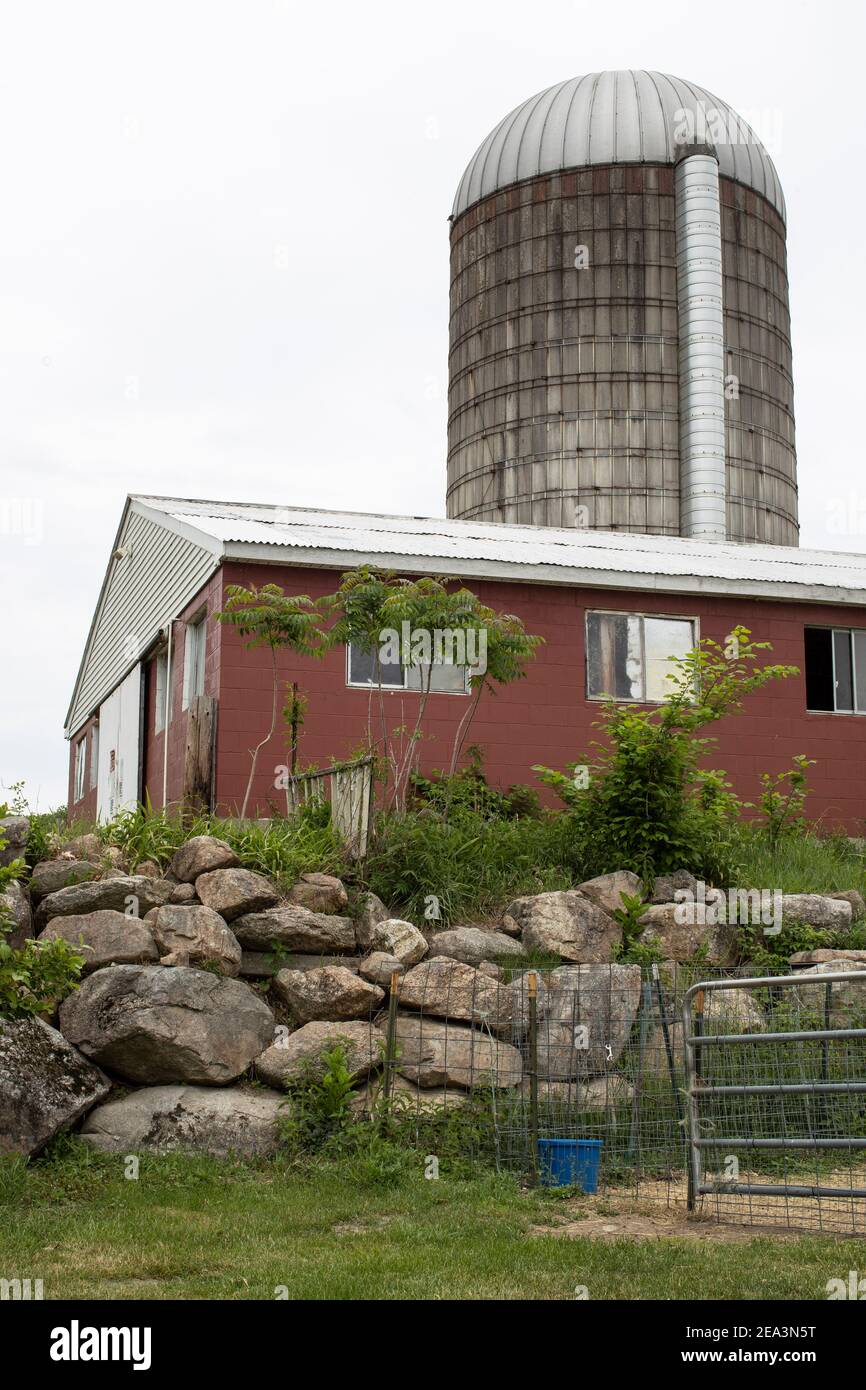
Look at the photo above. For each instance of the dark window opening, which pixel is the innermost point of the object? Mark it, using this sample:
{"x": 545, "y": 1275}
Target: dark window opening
{"x": 836, "y": 670}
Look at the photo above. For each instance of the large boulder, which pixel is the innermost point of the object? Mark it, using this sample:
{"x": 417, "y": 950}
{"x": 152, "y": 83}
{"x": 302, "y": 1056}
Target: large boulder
{"x": 371, "y": 911}
{"x": 816, "y": 910}
{"x": 566, "y": 924}
{"x": 320, "y": 893}
{"x": 850, "y": 895}
{"x": 297, "y": 1057}
{"x": 15, "y": 830}
{"x": 295, "y": 929}
{"x": 105, "y": 938}
{"x": 379, "y": 968}
{"x": 331, "y": 992}
{"x": 680, "y": 940}
{"x": 126, "y": 892}
{"x": 201, "y": 854}
{"x": 235, "y": 892}
{"x": 406, "y": 1100}
{"x": 400, "y": 939}
{"x": 87, "y": 846}
{"x": 725, "y": 1011}
{"x": 472, "y": 945}
{"x": 238, "y": 1121}
{"x": 151, "y": 1025}
{"x": 847, "y": 998}
{"x": 195, "y": 936}
{"x": 666, "y": 886}
{"x": 51, "y": 875}
{"x": 588, "y": 1012}
{"x": 15, "y": 905}
{"x": 45, "y": 1085}
{"x": 439, "y": 1054}
{"x": 446, "y": 988}
{"x": 184, "y": 894}
{"x": 607, "y": 890}
{"x": 845, "y": 960}
{"x": 610, "y": 1092}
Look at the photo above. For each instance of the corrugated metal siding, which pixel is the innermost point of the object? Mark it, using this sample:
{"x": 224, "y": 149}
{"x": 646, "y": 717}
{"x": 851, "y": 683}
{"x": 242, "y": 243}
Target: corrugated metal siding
{"x": 151, "y": 585}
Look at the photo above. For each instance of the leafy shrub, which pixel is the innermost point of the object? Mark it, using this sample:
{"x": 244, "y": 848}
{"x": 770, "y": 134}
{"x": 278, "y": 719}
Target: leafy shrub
{"x": 468, "y": 789}
{"x": 783, "y": 798}
{"x": 317, "y": 1109}
{"x": 34, "y": 978}
{"x": 644, "y": 803}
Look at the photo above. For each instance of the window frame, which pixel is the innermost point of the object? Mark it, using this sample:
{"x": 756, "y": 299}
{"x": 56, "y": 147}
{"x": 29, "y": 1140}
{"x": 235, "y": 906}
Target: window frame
{"x": 693, "y": 619}
{"x": 94, "y": 754}
{"x": 849, "y": 632}
{"x": 161, "y": 679}
{"x": 78, "y": 774}
{"x": 404, "y": 688}
{"x": 194, "y": 657}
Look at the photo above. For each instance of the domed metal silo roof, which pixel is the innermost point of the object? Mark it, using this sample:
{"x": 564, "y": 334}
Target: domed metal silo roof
{"x": 618, "y": 117}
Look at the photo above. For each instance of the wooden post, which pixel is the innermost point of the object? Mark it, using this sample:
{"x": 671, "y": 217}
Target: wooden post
{"x": 198, "y": 764}
{"x": 532, "y": 984}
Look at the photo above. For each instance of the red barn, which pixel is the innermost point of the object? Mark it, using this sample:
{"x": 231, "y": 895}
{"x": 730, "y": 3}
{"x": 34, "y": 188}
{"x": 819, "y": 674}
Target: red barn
{"x": 611, "y": 606}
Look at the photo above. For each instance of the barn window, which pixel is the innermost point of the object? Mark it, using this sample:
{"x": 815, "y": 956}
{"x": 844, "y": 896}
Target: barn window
{"x": 94, "y": 755}
{"x": 629, "y": 655}
{"x": 80, "y": 757}
{"x": 159, "y": 698}
{"x": 193, "y": 660}
{"x": 836, "y": 669}
{"x": 364, "y": 668}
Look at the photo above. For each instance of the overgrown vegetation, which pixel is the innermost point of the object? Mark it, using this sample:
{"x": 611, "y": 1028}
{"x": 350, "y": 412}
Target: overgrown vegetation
{"x": 641, "y": 799}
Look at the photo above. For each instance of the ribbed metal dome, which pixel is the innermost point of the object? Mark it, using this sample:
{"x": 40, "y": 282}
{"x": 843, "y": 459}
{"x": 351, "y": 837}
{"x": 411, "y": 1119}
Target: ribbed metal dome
{"x": 622, "y": 117}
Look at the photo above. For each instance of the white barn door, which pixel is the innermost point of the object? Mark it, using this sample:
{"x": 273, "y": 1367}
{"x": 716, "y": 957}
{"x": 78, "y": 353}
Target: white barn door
{"x": 119, "y": 726}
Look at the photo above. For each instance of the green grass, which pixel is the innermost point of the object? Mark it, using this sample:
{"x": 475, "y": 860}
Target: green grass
{"x": 802, "y": 863}
{"x": 194, "y": 1228}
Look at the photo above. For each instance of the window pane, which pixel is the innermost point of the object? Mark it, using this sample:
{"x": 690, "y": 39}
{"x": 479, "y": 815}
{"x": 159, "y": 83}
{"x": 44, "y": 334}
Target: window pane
{"x": 79, "y": 768}
{"x": 198, "y": 670}
{"x": 664, "y": 638}
{"x": 94, "y": 755}
{"x": 842, "y": 669}
{"x": 613, "y": 656}
{"x": 159, "y": 697}
{"x": 819, "y": 668}
{"x": 364, "y": 669}
{"x": 448, "y": 680}
{"x": 860, "y": 670}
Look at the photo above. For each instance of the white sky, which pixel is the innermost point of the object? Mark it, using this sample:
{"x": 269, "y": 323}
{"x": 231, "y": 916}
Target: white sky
{"x": 224, "y": 261}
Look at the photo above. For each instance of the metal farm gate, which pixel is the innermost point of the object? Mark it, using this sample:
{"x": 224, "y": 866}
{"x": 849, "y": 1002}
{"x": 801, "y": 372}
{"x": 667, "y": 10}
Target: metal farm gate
{"x": 777, "y": 1113}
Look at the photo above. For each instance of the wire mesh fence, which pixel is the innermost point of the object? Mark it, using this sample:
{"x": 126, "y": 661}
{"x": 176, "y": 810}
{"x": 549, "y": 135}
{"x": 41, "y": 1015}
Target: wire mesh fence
{"x": 744, "y": 1100}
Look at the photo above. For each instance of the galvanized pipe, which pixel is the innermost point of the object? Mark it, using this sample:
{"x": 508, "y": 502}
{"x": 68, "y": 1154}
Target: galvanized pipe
{"x": 701, "y": 348}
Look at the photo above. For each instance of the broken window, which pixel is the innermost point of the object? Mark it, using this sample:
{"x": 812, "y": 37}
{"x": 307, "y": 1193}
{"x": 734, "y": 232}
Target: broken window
{"x": 630, "y": 656}
{"x": 836, "y": 669}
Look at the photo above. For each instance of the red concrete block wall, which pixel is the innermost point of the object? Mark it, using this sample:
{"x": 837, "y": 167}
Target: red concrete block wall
{"x": 545, "y": 718}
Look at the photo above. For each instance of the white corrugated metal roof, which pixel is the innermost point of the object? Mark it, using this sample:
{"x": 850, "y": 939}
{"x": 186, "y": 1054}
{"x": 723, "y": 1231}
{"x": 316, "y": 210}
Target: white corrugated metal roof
{"x": 619, "y": 117}
{"x": 613, "y": 559}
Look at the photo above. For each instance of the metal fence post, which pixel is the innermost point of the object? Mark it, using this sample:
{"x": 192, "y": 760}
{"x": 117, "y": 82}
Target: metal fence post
{"x": 532, "y": 985}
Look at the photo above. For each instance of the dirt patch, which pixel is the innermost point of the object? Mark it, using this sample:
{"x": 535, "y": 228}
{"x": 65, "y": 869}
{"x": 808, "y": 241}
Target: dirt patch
{"x": 629, "y": 1220}
{"x": 659, "y": 1211}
